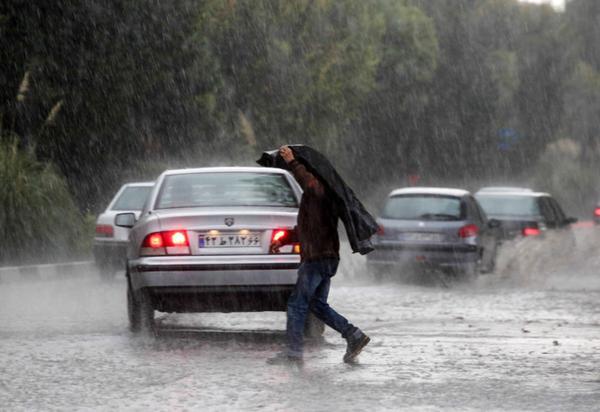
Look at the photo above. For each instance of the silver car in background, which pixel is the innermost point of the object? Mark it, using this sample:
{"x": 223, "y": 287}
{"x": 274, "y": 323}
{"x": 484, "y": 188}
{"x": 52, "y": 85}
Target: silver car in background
{"x": 110, "y": 241}
{"x": 433, "y": 228}
{"x": 202, "y": 243}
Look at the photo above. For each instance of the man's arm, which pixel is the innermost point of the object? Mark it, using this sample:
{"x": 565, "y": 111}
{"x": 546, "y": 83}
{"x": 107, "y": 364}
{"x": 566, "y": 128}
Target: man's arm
{"x": 307, "y": 180}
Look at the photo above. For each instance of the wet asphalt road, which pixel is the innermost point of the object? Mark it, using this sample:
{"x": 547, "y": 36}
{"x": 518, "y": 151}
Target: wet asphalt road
{"x": 504, "y": 342}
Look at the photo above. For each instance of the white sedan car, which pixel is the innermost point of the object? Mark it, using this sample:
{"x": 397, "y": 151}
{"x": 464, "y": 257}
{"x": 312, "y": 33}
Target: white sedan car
{"x": 202, "y": 244}
{"x": 110, "y": 241}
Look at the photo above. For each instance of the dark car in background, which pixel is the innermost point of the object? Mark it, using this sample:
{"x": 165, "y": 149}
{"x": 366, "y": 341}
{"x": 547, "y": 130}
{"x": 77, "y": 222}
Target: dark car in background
{"x": 435, "y": 228}
{"x": 525, "y": 213}
{"x": 110, "y": 240}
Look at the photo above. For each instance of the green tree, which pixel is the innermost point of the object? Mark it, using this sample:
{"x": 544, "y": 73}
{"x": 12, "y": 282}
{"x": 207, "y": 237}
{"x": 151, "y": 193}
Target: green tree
{"x": 119, "y": 71}
{"x": 37, "y": 215}
{"x": 582, "y": 106}
{"x": 388, "y": 131}
{"x": 287, "y": 71}
{"x": 500, "y": 70}
{"x": 583, "y": 30}
{"x": 582, "y": 85}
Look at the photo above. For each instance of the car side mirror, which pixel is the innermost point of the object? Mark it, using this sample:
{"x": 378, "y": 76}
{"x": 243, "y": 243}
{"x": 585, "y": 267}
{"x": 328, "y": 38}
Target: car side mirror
{"x": 494, "y": 223}
{"x": 125, "y": 220}
{"x": 571, "y": 220}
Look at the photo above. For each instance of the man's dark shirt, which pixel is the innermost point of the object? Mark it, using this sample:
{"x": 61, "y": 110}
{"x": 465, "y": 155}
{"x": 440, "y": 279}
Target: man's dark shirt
{"x": 317, "y": 217}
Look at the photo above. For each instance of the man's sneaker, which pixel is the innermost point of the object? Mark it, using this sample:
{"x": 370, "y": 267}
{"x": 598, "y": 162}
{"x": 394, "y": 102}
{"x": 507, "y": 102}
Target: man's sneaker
{"x": 282, "y": 358}
{"x": 357, "y": 340}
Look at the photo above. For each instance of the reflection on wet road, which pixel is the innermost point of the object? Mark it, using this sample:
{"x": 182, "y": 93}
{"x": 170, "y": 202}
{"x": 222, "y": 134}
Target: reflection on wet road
{"x": 498, "y": 343}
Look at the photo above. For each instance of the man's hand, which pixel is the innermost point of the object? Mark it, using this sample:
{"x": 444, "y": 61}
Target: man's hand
{"x": 286, "y": 153}
{"x": 274, "y": 248}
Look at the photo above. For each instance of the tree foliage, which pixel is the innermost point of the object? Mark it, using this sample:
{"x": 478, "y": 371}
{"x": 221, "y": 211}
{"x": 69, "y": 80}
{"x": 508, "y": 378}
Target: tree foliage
{"x": 287, "y": 71}
{"x": 446, "y": 89}
{"x": 38, "y": 217}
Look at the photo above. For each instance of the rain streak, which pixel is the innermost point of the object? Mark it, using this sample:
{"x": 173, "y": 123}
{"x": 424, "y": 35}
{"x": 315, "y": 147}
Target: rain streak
{"x": 172, "y": 175}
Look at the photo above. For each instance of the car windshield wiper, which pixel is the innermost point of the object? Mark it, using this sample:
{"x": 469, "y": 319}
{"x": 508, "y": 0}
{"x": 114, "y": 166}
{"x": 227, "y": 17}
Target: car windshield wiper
{"x": 438, "y": 216}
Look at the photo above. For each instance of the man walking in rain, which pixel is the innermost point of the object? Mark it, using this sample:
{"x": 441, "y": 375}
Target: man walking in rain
{"x": 318, "y": 236}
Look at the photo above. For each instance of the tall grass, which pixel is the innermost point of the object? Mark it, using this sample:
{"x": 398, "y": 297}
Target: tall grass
{"x": 38, "y": 218}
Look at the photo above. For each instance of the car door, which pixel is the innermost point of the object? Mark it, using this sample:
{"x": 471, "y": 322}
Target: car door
{"x": 561, "y": 217}
{"x": 564, "y": 225}
{"x": 548, "y": 213}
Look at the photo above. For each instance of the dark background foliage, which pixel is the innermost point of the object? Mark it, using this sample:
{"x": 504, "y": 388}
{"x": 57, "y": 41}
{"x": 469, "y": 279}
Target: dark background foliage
{"x": 460, "y": 92}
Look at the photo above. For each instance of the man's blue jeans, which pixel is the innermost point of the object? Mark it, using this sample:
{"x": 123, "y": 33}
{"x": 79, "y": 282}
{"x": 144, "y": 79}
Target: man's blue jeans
{"x": 311, "y": 292}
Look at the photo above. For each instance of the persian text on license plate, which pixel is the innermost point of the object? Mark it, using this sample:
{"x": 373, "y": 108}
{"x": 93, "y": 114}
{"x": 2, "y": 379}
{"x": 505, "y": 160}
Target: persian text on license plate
{"x": 421, "y": 237}
{"x": 229, "y": 240}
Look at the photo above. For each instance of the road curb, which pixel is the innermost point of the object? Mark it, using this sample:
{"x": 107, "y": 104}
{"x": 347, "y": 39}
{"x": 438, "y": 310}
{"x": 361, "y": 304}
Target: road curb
{"x": 44, "y": 271}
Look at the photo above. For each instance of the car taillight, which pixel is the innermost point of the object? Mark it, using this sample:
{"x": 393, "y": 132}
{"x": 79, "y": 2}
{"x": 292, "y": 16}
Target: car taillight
{"x": 104, "y": 231}
{"x": 468, "y": 231}
{"x": 282, "y": 235}
{"x": 597, "y": 212}
{"x": 176, "y": 238}
{"x": 531, "y": 231}
{"x": 173, "y": 242}
{"x": 279, "y": 235}
{"x": 380, "y": 230}
{"x": 154, "y": 241}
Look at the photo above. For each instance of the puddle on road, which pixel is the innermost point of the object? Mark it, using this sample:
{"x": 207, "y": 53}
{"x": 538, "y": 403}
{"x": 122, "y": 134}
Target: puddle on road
{"x": 502, "y": 342}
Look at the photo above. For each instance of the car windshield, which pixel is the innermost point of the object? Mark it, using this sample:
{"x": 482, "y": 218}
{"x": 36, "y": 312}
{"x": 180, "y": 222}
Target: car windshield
{"x": 506, "y": 205}
{"x": 132, "y": 198}
{"x": 423, "y": 207}
{"x": 225, "y": 189}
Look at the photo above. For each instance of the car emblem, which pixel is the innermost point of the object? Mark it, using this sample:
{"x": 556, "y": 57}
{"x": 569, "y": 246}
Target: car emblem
{"x": 229, "y": 221}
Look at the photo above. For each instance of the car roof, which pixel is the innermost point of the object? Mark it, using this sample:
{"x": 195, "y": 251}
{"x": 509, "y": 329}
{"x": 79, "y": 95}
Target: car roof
{"x": 223, "y": 169}
{"x": 139, "y": 184}
{"x": 122, "y": 189}
{"x": 445, "y": 191}
{"x": 516, "y": 193}
{"x": 504, "y": 189}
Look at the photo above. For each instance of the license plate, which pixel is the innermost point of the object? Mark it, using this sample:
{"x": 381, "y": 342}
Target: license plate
{"x": 229, "y": 240}
{"x": 421, "y": 237}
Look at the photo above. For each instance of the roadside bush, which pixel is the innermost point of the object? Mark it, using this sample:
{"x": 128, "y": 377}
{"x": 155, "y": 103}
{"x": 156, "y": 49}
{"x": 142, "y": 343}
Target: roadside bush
{"x": 38, "y": 218}
{"x": 563, "y": 172}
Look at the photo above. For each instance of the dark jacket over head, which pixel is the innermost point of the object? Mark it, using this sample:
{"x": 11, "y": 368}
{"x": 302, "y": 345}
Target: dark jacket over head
{"x": 359, "y": 224}
{"x": 317, "y": 229}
